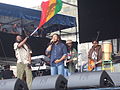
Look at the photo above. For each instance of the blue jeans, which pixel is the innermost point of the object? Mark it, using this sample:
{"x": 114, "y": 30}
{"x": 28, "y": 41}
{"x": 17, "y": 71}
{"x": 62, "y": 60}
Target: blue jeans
{"x": 97, "y": 68}
{"x": 66, "y": 72}
{"x": 58, "y": 69}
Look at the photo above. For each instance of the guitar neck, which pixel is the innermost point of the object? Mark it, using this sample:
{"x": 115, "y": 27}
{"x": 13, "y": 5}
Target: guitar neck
{"x": 98, "y": 62}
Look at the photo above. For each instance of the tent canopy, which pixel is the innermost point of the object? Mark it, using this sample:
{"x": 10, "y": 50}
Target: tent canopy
{"x": 10, "y": 14}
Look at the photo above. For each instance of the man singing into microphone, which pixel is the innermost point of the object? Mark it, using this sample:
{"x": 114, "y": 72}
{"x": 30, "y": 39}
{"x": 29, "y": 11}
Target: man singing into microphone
{"x": 57, "y": 52}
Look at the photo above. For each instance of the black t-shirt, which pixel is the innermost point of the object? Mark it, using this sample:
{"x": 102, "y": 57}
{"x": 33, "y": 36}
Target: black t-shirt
{"x": 7, "y": 74}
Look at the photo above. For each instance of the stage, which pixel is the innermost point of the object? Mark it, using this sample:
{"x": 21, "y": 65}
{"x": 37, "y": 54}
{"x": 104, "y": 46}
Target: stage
{"x": 111, "y": 88}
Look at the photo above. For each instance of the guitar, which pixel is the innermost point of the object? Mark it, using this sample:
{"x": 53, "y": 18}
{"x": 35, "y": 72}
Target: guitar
{"x": 92, "y": 64}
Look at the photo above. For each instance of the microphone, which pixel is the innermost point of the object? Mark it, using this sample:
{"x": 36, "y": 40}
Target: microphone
{"x": 51, "y": 43}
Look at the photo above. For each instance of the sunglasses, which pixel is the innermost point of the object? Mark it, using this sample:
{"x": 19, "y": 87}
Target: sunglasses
{"x": 95, "y": 43}
{"x": 69, "y": 43}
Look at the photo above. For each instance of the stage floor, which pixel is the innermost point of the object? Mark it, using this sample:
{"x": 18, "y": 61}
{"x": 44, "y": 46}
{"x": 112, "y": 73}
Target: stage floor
{"x": 111, "y": 88}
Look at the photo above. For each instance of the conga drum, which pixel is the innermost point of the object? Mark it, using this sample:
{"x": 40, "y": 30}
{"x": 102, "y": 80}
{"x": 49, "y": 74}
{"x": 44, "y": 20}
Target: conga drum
{"x": 107, "y": 50}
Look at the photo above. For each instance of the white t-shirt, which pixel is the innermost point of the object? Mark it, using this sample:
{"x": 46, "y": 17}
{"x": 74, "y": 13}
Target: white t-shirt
{"x": 94, "y": 55}
{"x": 22, "y": 54}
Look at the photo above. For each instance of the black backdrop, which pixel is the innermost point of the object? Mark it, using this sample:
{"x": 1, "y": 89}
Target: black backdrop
{"x": 37, "y": 44}
{"x": 98, "y": 16}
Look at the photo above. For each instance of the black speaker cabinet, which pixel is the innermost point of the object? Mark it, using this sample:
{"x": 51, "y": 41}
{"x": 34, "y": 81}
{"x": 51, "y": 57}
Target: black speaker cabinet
{"x": 115, "y": 76}
{"x": 89, "y": 80}
{"x": 57, "y": 82}
{"x": 13, "y": 84}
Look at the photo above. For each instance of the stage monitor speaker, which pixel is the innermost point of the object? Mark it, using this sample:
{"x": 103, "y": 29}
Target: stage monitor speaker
{"x": 13, "y": 84}
{"x": 57, "y": 82}
{"x": 89, "y": 80}
{"x": 115, "y": 76}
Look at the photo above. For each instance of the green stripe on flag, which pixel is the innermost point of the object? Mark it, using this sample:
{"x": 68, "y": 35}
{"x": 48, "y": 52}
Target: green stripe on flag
{"x": 58, "y": 6}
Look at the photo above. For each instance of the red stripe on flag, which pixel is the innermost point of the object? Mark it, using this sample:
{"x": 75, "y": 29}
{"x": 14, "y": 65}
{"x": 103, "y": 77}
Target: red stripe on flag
{"x": 44, "y": 6}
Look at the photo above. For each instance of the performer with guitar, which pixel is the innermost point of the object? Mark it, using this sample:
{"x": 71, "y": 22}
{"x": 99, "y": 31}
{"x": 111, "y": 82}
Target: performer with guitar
{"x": 71, "y": 60}
{"x": 95, "y": 57}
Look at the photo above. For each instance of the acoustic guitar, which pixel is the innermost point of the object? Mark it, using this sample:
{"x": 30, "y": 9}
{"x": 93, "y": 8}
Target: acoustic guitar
{"x": 92, "y": 64}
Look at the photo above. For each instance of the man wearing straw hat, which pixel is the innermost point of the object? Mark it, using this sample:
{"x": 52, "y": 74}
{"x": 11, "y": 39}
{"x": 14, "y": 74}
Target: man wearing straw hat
{"x": 71, "y": 59}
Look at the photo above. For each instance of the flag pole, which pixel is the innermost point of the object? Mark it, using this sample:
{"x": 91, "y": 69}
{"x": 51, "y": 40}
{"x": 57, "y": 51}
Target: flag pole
{"x": 46, "y": 11}
{"x": 34, "y": 31}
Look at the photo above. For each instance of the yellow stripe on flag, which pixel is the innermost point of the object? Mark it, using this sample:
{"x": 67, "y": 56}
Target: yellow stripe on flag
{"x": 51, "y": 9}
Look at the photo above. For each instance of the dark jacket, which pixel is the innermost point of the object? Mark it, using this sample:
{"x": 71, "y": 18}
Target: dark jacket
{"x": 99, "y": 52}
{"x": 7, "y": 74}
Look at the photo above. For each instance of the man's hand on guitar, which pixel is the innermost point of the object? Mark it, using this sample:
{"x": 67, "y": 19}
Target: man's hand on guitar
{"x": 100, "y": 61}
{"x": 69, "y": 61}
{"x": 92, "y": 64}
